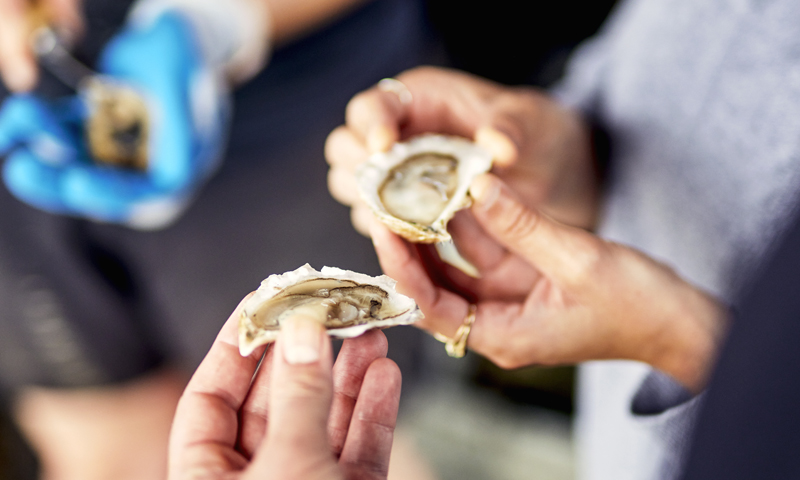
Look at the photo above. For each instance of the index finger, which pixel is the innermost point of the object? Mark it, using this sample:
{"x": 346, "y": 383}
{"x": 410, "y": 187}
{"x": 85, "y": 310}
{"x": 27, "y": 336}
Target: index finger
{"x": 376, "y": 116}
{"x": 206, "y": 418}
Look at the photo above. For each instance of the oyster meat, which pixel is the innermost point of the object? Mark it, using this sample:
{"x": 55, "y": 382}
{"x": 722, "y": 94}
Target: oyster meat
{"x": 117, "y": 126}
{"x": 416, "y": 187}
{"x": 352, "y": 302}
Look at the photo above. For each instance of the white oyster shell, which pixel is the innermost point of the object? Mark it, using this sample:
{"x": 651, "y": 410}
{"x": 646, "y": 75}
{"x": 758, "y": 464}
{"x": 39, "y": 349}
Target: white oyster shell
{"x": 355, "y": 303}
{"x": 470, "y": 161}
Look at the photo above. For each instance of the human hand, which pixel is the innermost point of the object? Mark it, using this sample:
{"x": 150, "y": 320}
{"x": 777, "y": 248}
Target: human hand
{"x": 541, "y": 149}
{"x": 296, "y": 416}
{"x": 18, "y": 19}
{"x": 49, "y": 167}
{"x": 554, "y": 294}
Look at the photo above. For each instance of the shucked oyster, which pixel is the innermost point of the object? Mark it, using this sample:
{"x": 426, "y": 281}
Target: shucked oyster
{"x": 417, "y": 187}
{"x": 354, "y": 302}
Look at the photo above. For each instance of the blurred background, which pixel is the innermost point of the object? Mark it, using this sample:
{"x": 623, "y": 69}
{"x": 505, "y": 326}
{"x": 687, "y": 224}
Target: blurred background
{"x": 466, "y": 418}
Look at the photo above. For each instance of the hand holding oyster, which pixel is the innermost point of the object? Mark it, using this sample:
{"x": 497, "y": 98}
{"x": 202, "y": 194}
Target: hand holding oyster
{"x": 349, "y": 303}
{"x": 416, "y": 187}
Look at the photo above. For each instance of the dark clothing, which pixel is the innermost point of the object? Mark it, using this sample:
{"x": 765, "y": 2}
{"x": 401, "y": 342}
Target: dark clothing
{"x": 749, "y": 427}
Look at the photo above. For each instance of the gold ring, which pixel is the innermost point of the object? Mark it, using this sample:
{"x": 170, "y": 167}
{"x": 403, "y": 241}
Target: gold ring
{"x": 456, "y": 347}
{"x": 397, "y": 87}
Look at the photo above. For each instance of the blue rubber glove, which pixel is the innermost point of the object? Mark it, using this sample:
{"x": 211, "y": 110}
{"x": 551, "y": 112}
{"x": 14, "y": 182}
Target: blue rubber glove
{"x": 48, "y": 165}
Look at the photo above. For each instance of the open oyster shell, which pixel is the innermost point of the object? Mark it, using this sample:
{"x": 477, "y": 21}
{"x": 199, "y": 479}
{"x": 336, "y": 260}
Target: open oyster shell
{"x": 417, "y": 186}
{"x": 355, "y": 303}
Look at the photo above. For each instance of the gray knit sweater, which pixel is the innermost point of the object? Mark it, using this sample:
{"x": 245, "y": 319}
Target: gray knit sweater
{"x": 701, "y": 99}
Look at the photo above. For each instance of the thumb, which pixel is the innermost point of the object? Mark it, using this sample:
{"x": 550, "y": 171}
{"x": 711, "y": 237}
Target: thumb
{"x": 562, "y": 253}
{"x": 301, "y": 394}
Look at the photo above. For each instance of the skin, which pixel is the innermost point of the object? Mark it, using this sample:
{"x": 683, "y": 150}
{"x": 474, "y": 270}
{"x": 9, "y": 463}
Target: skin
{"x": 554, "y": 294}
{"x": 300, "y": 417}
{"x": 18, "y": 18}
{"x": 549, "y": 291}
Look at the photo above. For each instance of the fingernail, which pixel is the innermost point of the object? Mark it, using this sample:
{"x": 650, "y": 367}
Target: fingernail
{"x": 503, "y": 150}
{"x": 379, "y": 138}
{"x": 484, "y": 190}
{"x": 302, "y": 338}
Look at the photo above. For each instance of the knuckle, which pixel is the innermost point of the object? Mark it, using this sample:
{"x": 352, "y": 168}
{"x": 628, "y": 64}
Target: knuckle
{"x": 306, "y": 385}
{"x": 496, "y": 348}
{"x": 518, "y": 223}
{"x": 507, "y": 358}
{"x": 340, "y": 194}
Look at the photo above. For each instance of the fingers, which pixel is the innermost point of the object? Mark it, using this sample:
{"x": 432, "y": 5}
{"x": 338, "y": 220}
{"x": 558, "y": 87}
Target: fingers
{"x": 344, "y": 149}
{"x": 356, "y": 355}
{"x": 474, "y": 244}
{"x": 494, "y": 330}
{"x": 254, "y": 413}
{"x": 503, "y": 148}
{"x": 205, "y": 425}
{"x": 343, "y": 186}
{"x": 443, "y": 309}
{"x": 300, "y": 399}
{"x": 565, "y": 254}
{"x": 369, "y": 440}
{"x": 361, "y": 217}
{"x": 375, "y": 117}
{"x": 442, "y": 101}
{"x": 17, "y": 64}
{"x": 512, "y": 124}
{"x": 503, "y": 274}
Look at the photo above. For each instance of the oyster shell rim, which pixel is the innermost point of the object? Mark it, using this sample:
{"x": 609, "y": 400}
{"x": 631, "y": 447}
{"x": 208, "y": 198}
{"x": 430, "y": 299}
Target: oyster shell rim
{"x": 274, "y": 284}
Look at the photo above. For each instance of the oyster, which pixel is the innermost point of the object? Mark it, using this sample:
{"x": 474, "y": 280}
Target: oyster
{"x": 417, "y": 187}
{"x": 117, "y": 127}
{"x": 354, "y": 303}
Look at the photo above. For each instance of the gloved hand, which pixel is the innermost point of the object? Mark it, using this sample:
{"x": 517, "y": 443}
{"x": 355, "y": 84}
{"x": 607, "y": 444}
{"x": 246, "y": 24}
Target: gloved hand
{"x": 162, "y": 54}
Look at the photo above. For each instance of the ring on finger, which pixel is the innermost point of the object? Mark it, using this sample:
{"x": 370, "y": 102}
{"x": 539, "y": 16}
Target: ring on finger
{"x": 456, "y": 347}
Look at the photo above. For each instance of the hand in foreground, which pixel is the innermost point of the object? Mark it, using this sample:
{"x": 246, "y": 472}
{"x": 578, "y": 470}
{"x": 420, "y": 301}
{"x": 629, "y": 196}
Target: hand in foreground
{"x": 49, "y": 167}
{"x": 555, "y": 294}
{"x": 18, "y": 19}
{"x": 536, "y": 143}
{"x": 299, "y": 417}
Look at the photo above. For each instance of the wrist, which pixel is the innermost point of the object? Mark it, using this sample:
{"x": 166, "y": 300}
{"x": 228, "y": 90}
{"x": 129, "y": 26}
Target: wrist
{"x": 686, "y": 348}
{"x": 234, "y": 36}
